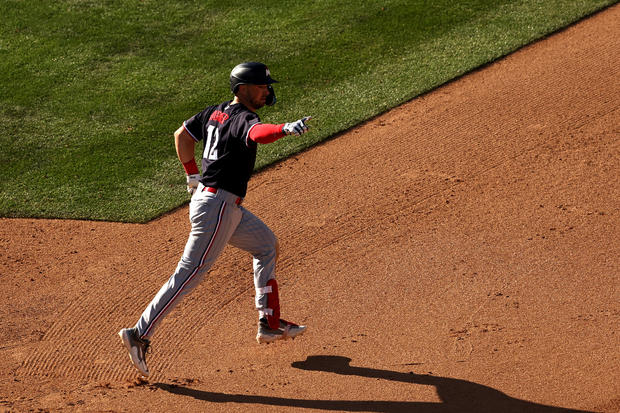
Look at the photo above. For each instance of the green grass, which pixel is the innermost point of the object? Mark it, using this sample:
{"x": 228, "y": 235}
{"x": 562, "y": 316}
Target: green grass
{"x": 91, "y": 91}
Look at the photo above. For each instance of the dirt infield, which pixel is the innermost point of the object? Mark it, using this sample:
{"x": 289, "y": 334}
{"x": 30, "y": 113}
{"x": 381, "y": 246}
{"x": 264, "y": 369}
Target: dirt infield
{"x": 457, "y": 254}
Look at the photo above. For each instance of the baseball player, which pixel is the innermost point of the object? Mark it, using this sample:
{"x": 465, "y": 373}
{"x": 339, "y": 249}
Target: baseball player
{"x": 230, "y": 133}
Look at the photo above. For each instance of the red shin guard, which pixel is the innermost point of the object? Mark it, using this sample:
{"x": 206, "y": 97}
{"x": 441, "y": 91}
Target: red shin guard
{"x": 273, "y": 305}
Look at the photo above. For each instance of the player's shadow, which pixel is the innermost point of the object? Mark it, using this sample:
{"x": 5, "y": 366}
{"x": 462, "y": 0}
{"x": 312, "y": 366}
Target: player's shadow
{"x": 456, "y": 395}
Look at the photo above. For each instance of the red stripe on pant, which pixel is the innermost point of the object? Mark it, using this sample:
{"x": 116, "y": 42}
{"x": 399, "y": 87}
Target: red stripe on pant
{"x": 192, "y": 275}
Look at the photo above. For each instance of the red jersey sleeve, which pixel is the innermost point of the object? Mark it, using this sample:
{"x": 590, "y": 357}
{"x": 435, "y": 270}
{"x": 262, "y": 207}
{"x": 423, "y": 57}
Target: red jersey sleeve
{"x": 266, "y": 133}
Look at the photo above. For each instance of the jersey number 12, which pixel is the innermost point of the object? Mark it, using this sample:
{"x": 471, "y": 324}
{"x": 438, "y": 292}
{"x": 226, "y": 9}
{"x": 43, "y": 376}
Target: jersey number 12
{"x": 213, "y": 137}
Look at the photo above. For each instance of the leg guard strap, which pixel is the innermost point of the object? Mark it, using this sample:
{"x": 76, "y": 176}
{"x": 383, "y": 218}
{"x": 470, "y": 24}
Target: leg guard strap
{"x": 272, "y": 311}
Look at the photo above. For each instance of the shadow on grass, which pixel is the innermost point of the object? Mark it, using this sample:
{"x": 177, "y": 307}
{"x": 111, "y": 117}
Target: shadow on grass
{"x": 456, "y": 395}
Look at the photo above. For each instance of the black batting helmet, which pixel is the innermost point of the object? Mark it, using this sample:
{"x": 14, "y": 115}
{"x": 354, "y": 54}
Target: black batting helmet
{"x": 252, "y": 73}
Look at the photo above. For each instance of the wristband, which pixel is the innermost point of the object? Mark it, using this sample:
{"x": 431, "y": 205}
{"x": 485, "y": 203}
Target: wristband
{"x": 190, "y": 167}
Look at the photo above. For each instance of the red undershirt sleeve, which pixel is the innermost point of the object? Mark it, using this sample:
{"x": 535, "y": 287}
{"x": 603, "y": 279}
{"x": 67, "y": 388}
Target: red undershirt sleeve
{"x": 266, "y": 132}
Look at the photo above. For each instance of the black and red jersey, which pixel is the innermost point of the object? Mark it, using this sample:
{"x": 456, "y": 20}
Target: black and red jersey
{"x": 229, "y": 155}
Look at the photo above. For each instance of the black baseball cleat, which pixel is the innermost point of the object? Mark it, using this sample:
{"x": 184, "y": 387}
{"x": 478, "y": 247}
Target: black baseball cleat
{"x": 137, "y": 348}
{"x": 285, "y": 331}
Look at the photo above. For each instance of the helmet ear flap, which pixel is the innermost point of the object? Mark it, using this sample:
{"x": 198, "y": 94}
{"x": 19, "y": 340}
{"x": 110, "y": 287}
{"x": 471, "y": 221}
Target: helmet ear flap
{"x": 271, "y": 97}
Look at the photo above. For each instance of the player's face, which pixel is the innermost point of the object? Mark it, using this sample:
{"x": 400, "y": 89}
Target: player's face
{"x": 253, "y": 96}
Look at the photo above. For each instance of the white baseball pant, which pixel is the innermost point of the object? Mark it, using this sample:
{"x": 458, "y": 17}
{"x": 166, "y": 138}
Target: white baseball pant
{"x": 217, "y": 219}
